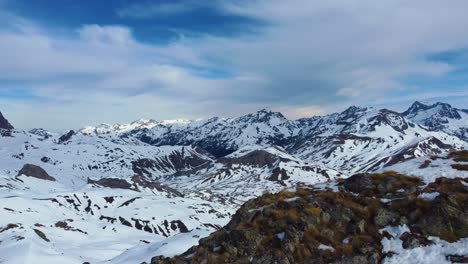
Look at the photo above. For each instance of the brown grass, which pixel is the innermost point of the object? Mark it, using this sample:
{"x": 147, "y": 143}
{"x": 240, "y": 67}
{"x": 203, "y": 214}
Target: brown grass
{"x": 459, "y": 155}
{"x": 402, "y": 180}
{"x": 313, "y": 211}
{"x": 291, "y": 215}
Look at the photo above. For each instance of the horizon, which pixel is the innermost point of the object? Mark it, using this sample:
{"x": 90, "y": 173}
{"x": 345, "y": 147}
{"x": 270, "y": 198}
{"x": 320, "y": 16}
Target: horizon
{"x": 67, "y": 65}
{"x": 229, "y": 117}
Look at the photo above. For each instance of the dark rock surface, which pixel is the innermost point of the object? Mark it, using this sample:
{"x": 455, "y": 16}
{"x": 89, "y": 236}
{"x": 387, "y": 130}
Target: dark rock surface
{"x": 36, "y": 172}
{"x": 66, "y": 137}
{"x": 4, "y": 124}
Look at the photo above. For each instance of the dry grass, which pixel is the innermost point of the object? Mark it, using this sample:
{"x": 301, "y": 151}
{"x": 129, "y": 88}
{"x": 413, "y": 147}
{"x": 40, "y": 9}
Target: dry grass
{"x": 402, "y": 182}
{"x": 459, "y": 155}
{"x": 313, "y": 211}
{"x": 291, "y": 215}
{"x": 345, "y": 200}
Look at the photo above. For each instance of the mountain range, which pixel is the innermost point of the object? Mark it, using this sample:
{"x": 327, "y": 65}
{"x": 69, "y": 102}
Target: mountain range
{"x": 124, "y": 193}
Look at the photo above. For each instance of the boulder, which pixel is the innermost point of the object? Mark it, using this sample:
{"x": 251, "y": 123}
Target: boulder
{"x": 36, "y": 172}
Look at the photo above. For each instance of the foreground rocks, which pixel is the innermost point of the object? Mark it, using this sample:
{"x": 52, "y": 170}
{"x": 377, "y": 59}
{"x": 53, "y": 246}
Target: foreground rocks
{"x": 325, "y": 226}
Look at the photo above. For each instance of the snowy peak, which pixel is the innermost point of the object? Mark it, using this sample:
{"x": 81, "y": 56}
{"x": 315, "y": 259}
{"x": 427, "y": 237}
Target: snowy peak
{"x": 437, "y": 110}
{"x": 4, "y": 124}
{"x": 389, "y": 118}
{"x": 440, "y": 117}
{"x": 264, "y": 116}
{"x": 119, "y": 128}
{"x": 415, "y": 107}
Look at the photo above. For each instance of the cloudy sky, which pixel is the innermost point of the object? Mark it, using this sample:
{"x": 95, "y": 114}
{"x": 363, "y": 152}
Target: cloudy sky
{"x": 70, "y": 63}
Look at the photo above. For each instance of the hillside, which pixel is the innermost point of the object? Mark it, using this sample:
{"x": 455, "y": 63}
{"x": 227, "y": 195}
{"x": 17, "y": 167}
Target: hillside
{"x": 367, "y": 218}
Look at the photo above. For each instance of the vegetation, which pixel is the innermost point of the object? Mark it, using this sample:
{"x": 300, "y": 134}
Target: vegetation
{"x": 459, "y": 155}
{"x": 290, "y": 227}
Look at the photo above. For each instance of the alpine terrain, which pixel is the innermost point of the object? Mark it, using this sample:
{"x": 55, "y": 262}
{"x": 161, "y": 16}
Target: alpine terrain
{"x": 364, "y": 185}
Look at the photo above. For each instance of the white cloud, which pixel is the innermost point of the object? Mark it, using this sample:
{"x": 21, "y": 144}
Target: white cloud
{"x": 108, "y": 35}
{"x": 150, "y": 10}
{"x": 312, "y": 56}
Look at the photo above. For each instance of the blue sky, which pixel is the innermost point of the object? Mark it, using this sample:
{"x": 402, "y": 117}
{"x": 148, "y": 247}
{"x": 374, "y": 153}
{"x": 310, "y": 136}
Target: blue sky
{"x": 69, "y": 63}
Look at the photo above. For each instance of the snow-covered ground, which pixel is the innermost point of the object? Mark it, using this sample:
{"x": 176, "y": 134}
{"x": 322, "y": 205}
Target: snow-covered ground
{"x": 434, "y": 253}
{"x": 188, "y": 191}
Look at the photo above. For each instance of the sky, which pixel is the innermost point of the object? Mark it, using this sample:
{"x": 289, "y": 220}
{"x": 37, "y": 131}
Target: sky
{"x": 65, "y": 64}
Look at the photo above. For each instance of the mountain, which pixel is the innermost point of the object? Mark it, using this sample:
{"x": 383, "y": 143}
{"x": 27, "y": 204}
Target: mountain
{"x": 370, "y": 137}
{"x": 250, "y": 171}
{"x": 126, "y": 192}
{"x": 221, "y": 136}
{"x": 440, "y": 117}
{"x": 367, "y": 219}
{"x": 366, "y": 139}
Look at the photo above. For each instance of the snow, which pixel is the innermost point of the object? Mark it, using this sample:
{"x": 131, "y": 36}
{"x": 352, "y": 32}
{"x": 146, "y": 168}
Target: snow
{"x": 428, "y": 196}
{"x": 435, "y": 253}
{"x": 326, "y": 148}
{"x": 440, "y": 167}
{"x": 280, "y": 236}
{"x": 169, "y": 247}
{"x": 325, "y": 247}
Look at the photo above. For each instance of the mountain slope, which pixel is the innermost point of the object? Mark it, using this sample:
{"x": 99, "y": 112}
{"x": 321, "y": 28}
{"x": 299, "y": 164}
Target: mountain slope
{"x": 440, "y": 117}
{"x": 372, "y": 218}
{"x": 102, "y": 193}
{"x": 363, "y": 139}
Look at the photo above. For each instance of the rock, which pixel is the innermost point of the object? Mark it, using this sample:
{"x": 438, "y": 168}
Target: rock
{"x": 41, "y": 234}
{"x": 447, "y": 215}
{"x": 411, "y": 240}
{"x": 66, "y": 137}
{"x": 457, "y": 258}
{"x": 4, "y": 124}
{"x": 359, "y": 183}
{"x": 384, "y": 217}
{"x": 347, "y": 224}
{"x": 114, "y": 183}
{"x": 36, "y": 172}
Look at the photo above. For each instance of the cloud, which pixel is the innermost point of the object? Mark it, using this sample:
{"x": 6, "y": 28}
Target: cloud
{"x": 312, "y": 58}
{"x": 151, "y": 10}
{"x": 113, "y": 35}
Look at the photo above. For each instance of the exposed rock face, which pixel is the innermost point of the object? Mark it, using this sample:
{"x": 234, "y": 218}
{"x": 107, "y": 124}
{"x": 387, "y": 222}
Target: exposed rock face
{"x": 114, "y": 183}
{"x": 66, "y": 137}
{"x": 36, "y": 172}
{"x": 4, "y": 124}
{"x": 135, "y": 183}
{"x": 323, "y": 226}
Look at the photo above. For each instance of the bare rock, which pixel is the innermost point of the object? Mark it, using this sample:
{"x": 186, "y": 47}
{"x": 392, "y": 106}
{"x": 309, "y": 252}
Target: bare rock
{"x": 36, "y": 172}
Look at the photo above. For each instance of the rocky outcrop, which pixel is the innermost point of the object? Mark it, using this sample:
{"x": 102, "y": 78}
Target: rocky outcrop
{"x": 135, "y": 183}
{"x": 36, "y": 172}
{"x": 63, "y": 139}
{"x": 113, "y": 183}
{"x": 346, "y": 226}
{"x": 4, "y": 124}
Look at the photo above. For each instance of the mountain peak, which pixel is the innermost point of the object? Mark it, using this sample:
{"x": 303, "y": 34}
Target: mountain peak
{"x": 4, "y": 124}
{"x": 415, "y": 107}
{"x": 263, "y": 115}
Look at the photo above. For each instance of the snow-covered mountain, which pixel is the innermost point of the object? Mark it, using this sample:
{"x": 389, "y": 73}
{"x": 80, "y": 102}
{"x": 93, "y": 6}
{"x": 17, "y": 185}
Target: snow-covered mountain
{"x": 440, "y": 117}
{"x": 363, "y": 139}
{"x": 93, "y": 193}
